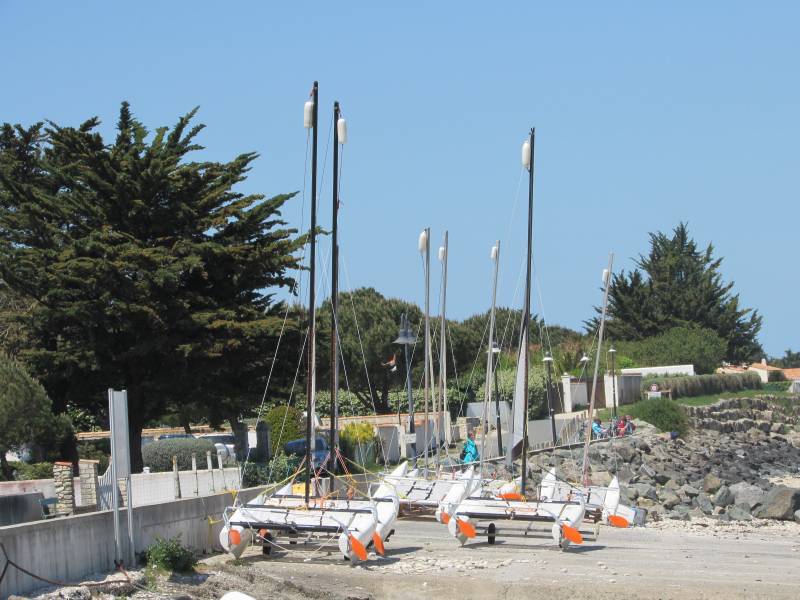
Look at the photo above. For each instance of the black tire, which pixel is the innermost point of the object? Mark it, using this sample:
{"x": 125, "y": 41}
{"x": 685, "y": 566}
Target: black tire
{"x": 491, "y": 531}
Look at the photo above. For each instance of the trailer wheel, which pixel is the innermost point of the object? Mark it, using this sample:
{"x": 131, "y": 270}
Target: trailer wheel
{"x": 491, "y": 531}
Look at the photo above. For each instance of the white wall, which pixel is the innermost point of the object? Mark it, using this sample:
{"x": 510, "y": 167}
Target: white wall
{"x": 669, "y": 370}
{"x": 71, "y": 548}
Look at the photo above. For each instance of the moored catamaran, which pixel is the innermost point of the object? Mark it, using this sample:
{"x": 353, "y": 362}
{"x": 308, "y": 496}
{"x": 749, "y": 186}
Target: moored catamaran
{"x": 358, "y": 523}
{"x": 463, "y": 507}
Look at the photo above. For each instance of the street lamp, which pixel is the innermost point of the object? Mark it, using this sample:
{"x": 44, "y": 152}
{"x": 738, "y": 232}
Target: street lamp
{"x": 613, "y": 354}
{"x": 407, "y": 338}
{"x": 548, "y": 364}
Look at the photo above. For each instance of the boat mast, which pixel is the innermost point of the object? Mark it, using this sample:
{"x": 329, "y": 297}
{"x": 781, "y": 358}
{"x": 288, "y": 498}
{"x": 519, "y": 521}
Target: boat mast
{"x": 442, "y": 402}
{"x": 606, "y": 285}
{"x": 495, "y": 256}
{"x": 312, "y": 123}
{"x": 339, "y": 137}
{"x": 424, "y": 247}
{"x": 526, "y": 316}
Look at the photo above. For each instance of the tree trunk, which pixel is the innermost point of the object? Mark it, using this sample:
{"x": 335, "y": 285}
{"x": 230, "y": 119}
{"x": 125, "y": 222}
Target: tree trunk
{"x": 5, "y": 468}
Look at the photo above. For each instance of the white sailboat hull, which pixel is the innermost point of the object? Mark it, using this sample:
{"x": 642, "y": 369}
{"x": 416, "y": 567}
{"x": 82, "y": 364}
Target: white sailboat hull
{"x": 356, "y": 522}
{"x": 599, "y": 499}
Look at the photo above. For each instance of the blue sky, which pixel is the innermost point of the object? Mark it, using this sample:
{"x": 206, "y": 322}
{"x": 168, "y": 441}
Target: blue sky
{"x": 646, "y": 115}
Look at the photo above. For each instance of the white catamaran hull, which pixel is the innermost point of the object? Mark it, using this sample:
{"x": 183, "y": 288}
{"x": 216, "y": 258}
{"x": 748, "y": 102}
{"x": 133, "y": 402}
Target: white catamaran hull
{"x": 458, "y": 510}
{"x": 605, "y": 500}
{"x": 357, "y": 522}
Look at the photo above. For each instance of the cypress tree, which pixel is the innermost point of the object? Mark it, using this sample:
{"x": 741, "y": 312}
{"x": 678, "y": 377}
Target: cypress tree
{"x": 678, "y": 284}
{"x": 148, "y": 271}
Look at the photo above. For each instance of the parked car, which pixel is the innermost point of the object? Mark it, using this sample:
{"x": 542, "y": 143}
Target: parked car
{"x": 298, "y": 447}
{"x": 172, "y": 436}
{"x": 224, "y": 443}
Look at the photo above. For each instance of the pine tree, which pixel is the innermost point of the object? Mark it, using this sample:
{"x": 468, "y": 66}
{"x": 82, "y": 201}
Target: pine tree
{"x": 148, "y": 271}
{"x": 678, "y": 285}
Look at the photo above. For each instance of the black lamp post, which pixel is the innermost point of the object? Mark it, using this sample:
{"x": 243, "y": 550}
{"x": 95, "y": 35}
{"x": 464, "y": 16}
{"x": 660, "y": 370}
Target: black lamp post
{"x": 548, "y": 364}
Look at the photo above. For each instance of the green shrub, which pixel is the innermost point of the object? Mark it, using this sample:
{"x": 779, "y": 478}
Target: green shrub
{"x": 537, "y": 390}
{"x": 777, "y": 386}
{"x": 158, "y": 455}
{"x": 285, "y": 425}
{"x": 357, "y": 433}
{"x": 278, "y": 469}
{"x": 700, "y": 347}
{"x": 775, "y": 376}
{"x": 662, "y": 413}
{"x": 25, "y": 471}
{"x": 93, "y": 450}
{"x": 704, "y": 385}
{"x": 169, "y": 554}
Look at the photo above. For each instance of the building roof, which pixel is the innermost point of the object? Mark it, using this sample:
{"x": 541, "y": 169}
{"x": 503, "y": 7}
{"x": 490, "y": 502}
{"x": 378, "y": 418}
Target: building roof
{"x": 792, "y": 373}
{"x": 763, "y": 367}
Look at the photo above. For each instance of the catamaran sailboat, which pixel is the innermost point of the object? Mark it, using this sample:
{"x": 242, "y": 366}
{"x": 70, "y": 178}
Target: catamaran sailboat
{"x": 357, "y": 522}
{"x": 463, "y": 507}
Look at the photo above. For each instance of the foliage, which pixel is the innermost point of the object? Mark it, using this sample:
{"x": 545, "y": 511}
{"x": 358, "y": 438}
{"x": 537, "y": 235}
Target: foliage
{"x": 92, "y": 450}
{"x": 776, "y": 376}
{"x": 677, "y": 285}
{"x": 25, "y": 411}
{"x": 789, "y": 360}
{"x": 169, "y": 554}
{"x": 368, "y": 324}
{"x": 279, "y": 468}
{"x": 702, "y": 385}
{"x": 24, "y": 471}
{"x": 285, "y": 424}
{"x": 357, "y": 433}
{"x": 158, "y": 455}
{"x": 147, "y": 271}
{"x": 677, "y": 346}
{"x": 777, "y": 386}
{"x": 664, "y": 414}
{"x": 537, "y": 389}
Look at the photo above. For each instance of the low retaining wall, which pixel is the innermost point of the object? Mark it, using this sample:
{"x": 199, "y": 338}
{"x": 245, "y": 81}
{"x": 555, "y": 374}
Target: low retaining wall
{"x": 71, "y": 548}
{"x": 20, "y": 509}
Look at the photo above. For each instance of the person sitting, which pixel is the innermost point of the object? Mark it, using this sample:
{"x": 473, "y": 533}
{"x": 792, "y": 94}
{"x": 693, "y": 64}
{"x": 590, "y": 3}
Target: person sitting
{"x": 597, "y": 430}
{"x": 469, "y": 453}
{"x": 620, "y": 427}
{"x": 629, "y": 426}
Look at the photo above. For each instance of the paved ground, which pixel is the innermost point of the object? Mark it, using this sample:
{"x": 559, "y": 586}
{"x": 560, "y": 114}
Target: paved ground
{"x": 668, "y": 560}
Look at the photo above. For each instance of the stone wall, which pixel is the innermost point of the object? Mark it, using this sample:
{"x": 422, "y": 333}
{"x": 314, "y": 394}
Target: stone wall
{"x": 64, "y": 487}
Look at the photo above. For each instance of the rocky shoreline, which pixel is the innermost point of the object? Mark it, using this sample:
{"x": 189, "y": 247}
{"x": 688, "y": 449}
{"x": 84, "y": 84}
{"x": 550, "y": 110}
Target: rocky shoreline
{"x": 726, "y": 468}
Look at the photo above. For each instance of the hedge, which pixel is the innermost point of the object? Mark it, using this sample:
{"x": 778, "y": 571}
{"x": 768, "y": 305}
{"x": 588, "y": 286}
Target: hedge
{"x": 704, "y": 385}
{"x": 662, "y": 413}
{"x": 158, "y": 455}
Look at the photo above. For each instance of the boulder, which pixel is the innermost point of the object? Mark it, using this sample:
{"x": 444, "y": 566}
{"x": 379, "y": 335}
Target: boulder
{"x": 739, "y": 513}
{"x": 723, "y": 497}
{"x": 645, "y": 490}
{"x": 704, "y": 504}
{"x": 780, "y": 503}
{"x": 745, "y": 493}
{"x": 711, "y": 483}
{"x": 670, "y": 499}
{"x": 690, "y": 490}
{"x": 602, "y": 478}
{"x": 625, "y": 452}
{"x": 680, "y": 513}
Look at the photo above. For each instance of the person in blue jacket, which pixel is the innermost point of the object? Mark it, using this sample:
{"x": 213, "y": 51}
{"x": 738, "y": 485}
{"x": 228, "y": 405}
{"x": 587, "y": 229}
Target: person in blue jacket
{"x": 469, "y": 453}
{"x": 597, "y": 430}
